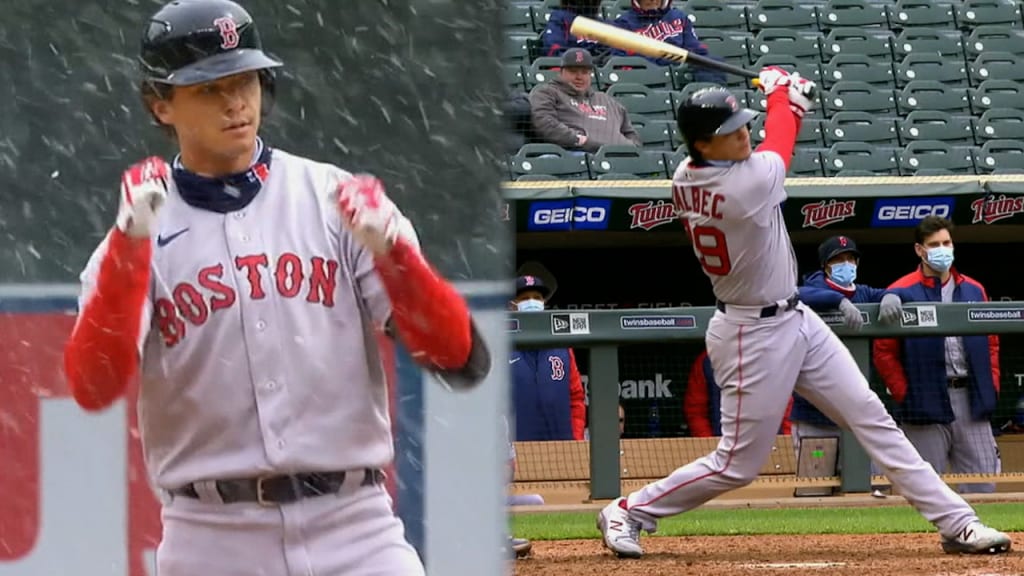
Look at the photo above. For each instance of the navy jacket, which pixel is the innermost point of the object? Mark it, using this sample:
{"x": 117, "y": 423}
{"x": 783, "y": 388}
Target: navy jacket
{"x": 548, "y": 395}
{"x": 914, "y": 369}
{"x": 670, "y": 25}
{"x": 556, "y": 38}
{"x": 821, "y": 295}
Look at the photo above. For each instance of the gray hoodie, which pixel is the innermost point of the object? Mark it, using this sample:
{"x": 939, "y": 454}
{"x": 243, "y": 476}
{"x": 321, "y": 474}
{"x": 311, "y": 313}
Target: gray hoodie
{"x": 561, "y": 113}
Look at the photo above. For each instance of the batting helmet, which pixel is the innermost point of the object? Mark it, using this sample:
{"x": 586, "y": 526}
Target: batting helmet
{"x": 195, "y": 41}
{"x": 710, "y": 111}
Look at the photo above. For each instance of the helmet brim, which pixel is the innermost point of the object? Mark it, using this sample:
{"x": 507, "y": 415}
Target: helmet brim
{"x": 739, "y": 119}
{"x": 220, "y": 66}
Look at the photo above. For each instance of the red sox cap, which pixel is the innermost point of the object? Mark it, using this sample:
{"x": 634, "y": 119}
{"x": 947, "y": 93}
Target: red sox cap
{"x": 524, "y": 283}
{"x": 835, "y": 246}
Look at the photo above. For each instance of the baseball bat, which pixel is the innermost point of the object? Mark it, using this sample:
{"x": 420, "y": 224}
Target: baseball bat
{"x": 619, "y": 38}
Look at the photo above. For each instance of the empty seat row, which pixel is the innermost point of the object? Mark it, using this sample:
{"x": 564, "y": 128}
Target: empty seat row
{"x": 924, "y": 157}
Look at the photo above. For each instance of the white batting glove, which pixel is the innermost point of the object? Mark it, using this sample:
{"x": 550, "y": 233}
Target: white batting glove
{"x": 801, "y": 94}
{"x": 143, "y": 193}
{"x": 771, "y": 79}
{"x": 371, "y": 216}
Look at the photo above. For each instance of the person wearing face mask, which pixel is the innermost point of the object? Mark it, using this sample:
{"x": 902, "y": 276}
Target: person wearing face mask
{"x": 547, "y": 390}
{"x": 945, "y": 389}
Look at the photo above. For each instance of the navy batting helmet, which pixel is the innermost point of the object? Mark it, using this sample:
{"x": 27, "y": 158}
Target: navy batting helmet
{"x": 195, "y": 41}
{"x": 710, "y": 111}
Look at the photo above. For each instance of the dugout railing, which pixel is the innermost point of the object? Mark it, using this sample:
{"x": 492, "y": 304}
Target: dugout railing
{"x": 603, "y": 331}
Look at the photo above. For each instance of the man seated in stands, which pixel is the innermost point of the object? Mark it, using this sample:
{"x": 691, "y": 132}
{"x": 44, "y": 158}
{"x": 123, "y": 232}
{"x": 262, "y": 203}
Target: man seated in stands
{"x": 557, "y": 38}
{"x": 569, "y": 112}
{"x": 657, "y": 19}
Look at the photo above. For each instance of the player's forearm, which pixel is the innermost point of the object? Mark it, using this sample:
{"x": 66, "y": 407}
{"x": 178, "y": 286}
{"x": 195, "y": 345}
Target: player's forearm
{"x": 101, "y": 356}
{"x": 780, "y": 126}
{"x": 431, "y": 317}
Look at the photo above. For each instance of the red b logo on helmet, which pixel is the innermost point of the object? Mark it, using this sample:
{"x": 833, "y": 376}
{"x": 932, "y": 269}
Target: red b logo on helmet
{"x": 228, "y": 32}
{"x": 843, "y": 241}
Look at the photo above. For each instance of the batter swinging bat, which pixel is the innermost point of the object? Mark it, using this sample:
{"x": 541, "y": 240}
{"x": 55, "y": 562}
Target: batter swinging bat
{"x": 626, "y": 40}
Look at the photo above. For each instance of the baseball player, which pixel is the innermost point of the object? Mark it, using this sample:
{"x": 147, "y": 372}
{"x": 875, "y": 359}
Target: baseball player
{"x": 763, "y": 343}
{"x": 246, "y": 287}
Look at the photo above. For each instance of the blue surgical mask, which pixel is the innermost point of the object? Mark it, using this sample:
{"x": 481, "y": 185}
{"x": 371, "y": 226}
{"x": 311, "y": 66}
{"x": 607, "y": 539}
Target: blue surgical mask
{"x": 940, "y": 258}
{"x": 844, "y": 273}
{"x": 531, "y": 305}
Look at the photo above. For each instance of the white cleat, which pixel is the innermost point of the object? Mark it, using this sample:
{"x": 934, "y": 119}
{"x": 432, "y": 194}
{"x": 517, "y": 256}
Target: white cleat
{"x": 621, "y": 533}
{"x": 977, "y": 539}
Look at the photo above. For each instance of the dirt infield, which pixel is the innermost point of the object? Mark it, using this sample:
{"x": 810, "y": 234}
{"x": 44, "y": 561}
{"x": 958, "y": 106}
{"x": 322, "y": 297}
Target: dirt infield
{"x": 834, "y": 555}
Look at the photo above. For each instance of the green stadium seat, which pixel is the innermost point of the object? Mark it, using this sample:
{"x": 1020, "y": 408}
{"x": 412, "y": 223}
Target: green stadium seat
{"x": 934, "y": 172}
{"x": 542, "y": 70}
{"x": 949, "y": 71}
{"x": 932, "y": 95}
{"x": 860, "y": 156}
{"x": 756, "y": 100}
{"x": 858, "y": 67}
{"x": 801, "y": 44}
{"x": 852, "y": 13}
{"x": 872, "y": 42}
{"x": 971, "y": 13}
{"x": 999, "y": 155}
{"x": 854, "y": 174}
{"x": 927, "y": 13}
{"x": 617, "y": 7}
{"x": 936, "y": 125}
{"x": 787, "y": 14}
{"x": 716, "y": 14}
{"x": 1000, "y": 124}
{"x": 542, "y": 12}
{"x": 859, "y": 127}
{"x": 518, "y": 16}
{"x": 643, "y": 101}
{"x": 996, "y": 94}
{"x": 934, "y": 155}
{"x": 661, "y": 135}
{"x": 729, "y": 45}
{"x": 672, "y": 159}
{"x": 1001, "y": 65}
{"x": 618, "y": 176}
{"x": 809, "y": 135}
{"x": 807, "y": 68}
{"x": 850, "y": 95}
{"x": 515, "y": 48}
{"x": 806, "y": 163}
{"x": 946, "y": 43}
{"x": 534, "y": 178}
{"x": 994, "y": 39}
{"x": 549, "y": 160}
{"x": 634, "y": 70}
{"x": 514, "y": 77}
{"x": 628, "y": 159}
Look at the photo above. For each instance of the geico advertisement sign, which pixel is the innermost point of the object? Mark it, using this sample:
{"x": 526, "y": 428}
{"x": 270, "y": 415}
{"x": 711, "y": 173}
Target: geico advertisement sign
{"x": 657, "y": 387}
{"x": 572, "y": 214}
{"x": 907, "y": 212}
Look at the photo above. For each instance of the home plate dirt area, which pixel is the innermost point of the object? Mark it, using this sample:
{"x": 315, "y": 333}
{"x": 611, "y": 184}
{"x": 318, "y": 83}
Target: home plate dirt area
{"x": 834, "y": 555}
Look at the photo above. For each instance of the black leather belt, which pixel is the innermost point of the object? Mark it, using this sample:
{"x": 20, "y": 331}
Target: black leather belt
{"x": 958, "y": 382}
{"x": 273, "y": 490}
{"x": 767, "y": 311}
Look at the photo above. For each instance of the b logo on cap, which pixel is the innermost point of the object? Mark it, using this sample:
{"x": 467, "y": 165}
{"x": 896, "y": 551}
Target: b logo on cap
{"x": 529, "y": 280}
{"x": 228, "y": 32}
{"x": 731, "y": 101}
{"x": 843, "y": 241}
{"x": 579, "y": 57}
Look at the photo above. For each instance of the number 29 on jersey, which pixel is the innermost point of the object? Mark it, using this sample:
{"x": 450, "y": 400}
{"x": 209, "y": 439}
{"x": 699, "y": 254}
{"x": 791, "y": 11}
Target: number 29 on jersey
{"x": 709, "y": 242}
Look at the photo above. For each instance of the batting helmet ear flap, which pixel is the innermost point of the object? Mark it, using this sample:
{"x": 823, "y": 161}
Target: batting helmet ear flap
{"x": 268, "y": 81}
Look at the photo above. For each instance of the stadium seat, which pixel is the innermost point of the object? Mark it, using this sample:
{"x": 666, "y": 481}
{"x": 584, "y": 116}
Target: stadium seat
{"x": 634, "y": 70}
{"x": 628, "y": 159}
{"x": 1001, "y": 65}
{"x": 729, "y": 45}
{"x": 857, "y": 67}
{"x": 994, "y": 39}
{"x": 867, "y": 41}
{"x": 514, "y": 77}
{"x": 852, "y": 13}
{"x": 542, "y": 70}
{"x": 787, "y": 14}
{"x": 936, "y": 125}
{"x": 971, "y": 13}
{"x": 643, "y": 101}
{"x": 859, "y": 127}
{"x": 1000, "y": 124}
{"x": 809, "y": 135}
{"x": 946, "y": 43}
{"x": 618, "y": 176}
{"x": 716, "y": 14}
{"x": 518, "y": 16}
{"x": 516, "y": 48}
{"x": 950, "y": 71}
{"x": 935, "y": 155}
{"x": 996, "y": 94}
{"x": 672, "y": 159}
{"x": 542, "y": 13}
{"x": 657, "y": 134}
{"x": 756, "y": 100}
{"x": 1002, "y": 155}
{"x": 770, "y": 41}
{"x": 931, "y": 95}
{"x": 860, "y": 156}
{"x": 550, "y": 160}
{"x": 907, "y": 14}
{"x": 850, "y": 95}
{"x": 806, "y": 162}
{"x": 807, "y": 68}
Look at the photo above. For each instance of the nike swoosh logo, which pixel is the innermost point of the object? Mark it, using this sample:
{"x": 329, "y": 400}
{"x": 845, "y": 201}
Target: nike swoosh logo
{"x": 162, "y": 241}
{"x": 514, "y": 360}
